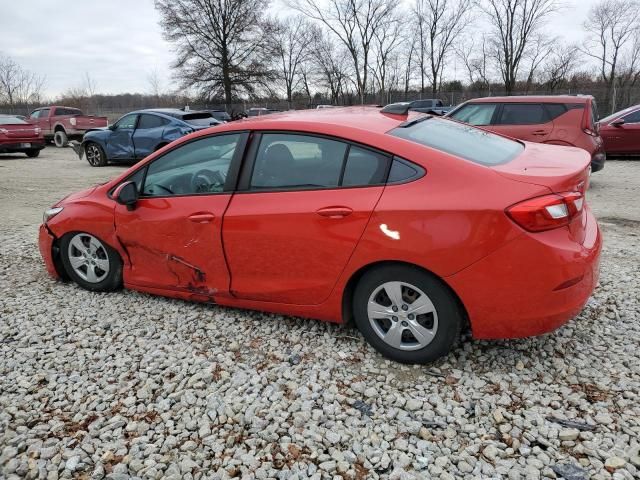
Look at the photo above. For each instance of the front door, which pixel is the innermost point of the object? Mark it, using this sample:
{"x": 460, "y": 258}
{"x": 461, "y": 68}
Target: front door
{"x": 524, "y": 121}
{"x": 629, "y": 134}
{"x": 120, "y": 142}
{"x": 173, "y": 236}
{"x": 289, "y": 235}
{"x": 148, "y": 134}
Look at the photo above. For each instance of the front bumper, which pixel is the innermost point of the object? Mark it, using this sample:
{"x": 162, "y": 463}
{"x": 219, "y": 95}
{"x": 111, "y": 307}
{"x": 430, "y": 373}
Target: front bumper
{"x": 20, "y": 146}
{"x": 46, "y": 242}
{"x": 532, "y": 285}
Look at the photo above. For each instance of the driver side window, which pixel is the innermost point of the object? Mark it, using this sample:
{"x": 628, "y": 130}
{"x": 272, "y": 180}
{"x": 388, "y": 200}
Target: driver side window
{"x": 128, "y": 121}
{"x": 197, "y": 167}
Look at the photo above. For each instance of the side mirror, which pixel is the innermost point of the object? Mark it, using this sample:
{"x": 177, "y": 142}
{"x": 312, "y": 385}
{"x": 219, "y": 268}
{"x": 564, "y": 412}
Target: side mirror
{"x": 126, "y": 194}
{"x": 112, "y": 127}
{"x": 618, "y": 123}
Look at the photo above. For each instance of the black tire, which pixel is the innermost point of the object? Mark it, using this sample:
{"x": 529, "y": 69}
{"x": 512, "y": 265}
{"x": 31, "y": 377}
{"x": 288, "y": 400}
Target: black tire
{"x": 448, "y": 319}
{"x": 95, "y": 154}
{"x": 33, "y": 153}
{"x": 112, "y": 279}
{"x": 60, "y": 139}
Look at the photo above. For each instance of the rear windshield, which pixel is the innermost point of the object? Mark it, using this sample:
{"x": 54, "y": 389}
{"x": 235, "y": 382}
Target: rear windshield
{"x": 462, "y": 140}
{"x": 11, "y": 121}
{"x": 200, "y": 119}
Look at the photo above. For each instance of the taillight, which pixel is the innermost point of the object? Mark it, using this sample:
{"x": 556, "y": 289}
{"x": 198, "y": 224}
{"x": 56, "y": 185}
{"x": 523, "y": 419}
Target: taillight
{"x": 548, "y": 212}
{"x": 3, "y": 131}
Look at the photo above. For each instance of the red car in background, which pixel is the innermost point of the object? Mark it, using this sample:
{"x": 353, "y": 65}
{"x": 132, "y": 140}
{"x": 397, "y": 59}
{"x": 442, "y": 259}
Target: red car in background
{"x": 62, "y": 124}
{"x": 557, "y": 120}
{"x": 18, "y": 136}
{"x": 411, "y": 225}
{"x": 621, "y": 132}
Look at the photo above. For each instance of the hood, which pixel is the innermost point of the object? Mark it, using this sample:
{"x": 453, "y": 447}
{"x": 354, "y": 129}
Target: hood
{"x": 76, "y": 196}
{"x": 97, "y": 132}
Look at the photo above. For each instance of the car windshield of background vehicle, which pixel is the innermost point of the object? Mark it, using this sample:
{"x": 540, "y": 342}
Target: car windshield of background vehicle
{"x": 470, "y": 143}
{"x": 475, "y": 113}
{"x": 11, "y": 121}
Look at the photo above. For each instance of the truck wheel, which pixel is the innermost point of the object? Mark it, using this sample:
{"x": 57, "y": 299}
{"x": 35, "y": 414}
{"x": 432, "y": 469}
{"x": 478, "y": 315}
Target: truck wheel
{"x": 95, "y": 155}
{"x": 33, "y": 153}
{"x": 60, "y": 139}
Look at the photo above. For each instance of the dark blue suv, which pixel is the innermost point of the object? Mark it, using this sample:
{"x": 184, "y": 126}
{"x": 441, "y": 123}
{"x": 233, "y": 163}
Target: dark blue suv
{"x": 138, "y": 134}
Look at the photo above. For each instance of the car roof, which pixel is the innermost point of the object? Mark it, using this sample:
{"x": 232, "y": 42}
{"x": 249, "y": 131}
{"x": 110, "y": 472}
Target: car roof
{"x": 365, "y": 117}
{"x": 535, "y": 98}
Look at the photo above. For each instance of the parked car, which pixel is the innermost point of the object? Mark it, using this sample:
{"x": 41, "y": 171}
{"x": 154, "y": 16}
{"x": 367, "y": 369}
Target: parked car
{"x": 558, "y": 120}
{"x": 323, "y": 214}
{"x": 219, "y": 115}
{"x": 259, "y": 111}
{"x": 62, "y": 124}
{"x": 621, "y": 132}
{"x": 429, "y": 105}
{"x": 138, "y": 134}
{"x": 18, "y": 136}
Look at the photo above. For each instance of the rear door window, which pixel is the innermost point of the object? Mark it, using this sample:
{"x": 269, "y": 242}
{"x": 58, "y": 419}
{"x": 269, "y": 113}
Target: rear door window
{"x": 287, "y": 161}
{"x": 522, "y": 114}
{"x": 148, "y": 121}
{"x": 475, "y": 113}
{"x": 364, "y": 167}
{"x": 464, "y": 141}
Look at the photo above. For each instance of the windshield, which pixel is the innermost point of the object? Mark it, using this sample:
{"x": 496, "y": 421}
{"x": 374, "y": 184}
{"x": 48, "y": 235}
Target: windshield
{"x": 12, "y": 121}
{"x": 199, "y": 119}
{"x": 465, "y": 141}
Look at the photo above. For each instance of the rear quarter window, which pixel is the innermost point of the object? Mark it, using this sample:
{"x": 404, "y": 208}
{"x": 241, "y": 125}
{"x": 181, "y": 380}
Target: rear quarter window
{"x": 464, "y": 141}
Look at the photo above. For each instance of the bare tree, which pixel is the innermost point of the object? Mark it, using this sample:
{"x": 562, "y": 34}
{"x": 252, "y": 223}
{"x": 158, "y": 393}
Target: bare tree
{"x": 154, "y": 81}
{"x": 440, "y": 23}
{"x": 18, "y": 85}
{"x": 629, "y": 76}
{"x": 292, "y": 38}
{"x": 559, "y": 65}
{"x": 354, "y": 23}
{"x": 514, "y": 24}
{"x": 223, "y": 47}
{"x": 331, "y": 67}
{"x": 610, "y": 26}
{"x": 386, "y": 43}
{"x": 541, "y": 48}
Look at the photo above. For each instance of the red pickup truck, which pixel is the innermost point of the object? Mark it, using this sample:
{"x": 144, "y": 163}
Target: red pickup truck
{"x": 62, "y": 124}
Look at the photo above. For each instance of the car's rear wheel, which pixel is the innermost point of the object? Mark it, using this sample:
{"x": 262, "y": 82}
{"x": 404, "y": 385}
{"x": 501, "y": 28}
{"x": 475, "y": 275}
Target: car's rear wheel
{"x": 95, "y": 155}
{"x": 33, "y": 153}
{"x": 408, "y": 315}
{"x": 90, "y": 262}
{"x": 60, "y": 139}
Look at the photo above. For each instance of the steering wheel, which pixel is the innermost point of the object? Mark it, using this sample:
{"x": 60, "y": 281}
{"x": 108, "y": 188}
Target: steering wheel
{"x": 207, "y": 181}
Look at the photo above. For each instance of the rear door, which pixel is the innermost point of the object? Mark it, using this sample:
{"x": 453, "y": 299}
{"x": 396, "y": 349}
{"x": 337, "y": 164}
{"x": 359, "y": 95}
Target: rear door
{"x": 302, "y": 205}
{"x": 120, "y": 142}
{"x": 525, "y": 121}
{"x": 148, "y": 134}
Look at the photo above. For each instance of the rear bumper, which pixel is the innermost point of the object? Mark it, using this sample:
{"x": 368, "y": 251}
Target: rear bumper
{"x": 19, "y": 146}
{"x": 46, "y": 244}
{"x": 532, "y": 285}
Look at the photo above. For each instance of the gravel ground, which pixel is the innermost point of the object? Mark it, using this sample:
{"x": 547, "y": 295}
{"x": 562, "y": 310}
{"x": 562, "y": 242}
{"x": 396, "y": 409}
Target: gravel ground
{"x": 129, "y": 385}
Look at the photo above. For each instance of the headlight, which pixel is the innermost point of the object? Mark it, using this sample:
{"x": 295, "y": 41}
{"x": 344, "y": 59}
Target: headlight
{"x": 50, "y": 213}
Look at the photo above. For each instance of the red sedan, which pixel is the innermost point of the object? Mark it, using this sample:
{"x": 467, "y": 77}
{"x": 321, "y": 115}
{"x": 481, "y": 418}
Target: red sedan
{"x": 621, "y": 132}
{"x": 18, "y": 136}
{"x": 412, "y": 226}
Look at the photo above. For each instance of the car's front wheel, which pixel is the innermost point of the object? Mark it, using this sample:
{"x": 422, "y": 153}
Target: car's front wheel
{"x": 95, "y": 155}
{"x": 408, "y": 315}
{"x": 90, "y": 262}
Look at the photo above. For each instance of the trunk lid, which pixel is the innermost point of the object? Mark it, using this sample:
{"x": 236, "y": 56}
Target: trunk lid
{"x": 19, "y": 131}
{"x": 560, "y": 169}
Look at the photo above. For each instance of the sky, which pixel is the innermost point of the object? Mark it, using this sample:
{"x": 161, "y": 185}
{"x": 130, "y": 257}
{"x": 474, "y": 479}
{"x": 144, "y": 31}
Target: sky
{"x": 119, "y": 42}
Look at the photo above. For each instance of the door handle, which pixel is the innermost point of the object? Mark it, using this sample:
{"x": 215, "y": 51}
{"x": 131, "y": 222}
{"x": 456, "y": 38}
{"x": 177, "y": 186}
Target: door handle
{"x": 334, "y": 212}
{"x": 204, "y": 217}
{"x": 540, "y": 132}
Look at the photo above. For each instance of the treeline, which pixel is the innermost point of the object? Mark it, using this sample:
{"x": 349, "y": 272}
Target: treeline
{"x": 232, "y": 55}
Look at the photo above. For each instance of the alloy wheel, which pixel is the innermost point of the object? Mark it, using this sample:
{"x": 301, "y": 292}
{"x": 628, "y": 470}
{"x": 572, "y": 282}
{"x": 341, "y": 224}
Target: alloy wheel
{"x": 402, "y": 315}
{"x": 93, "y": 155}
{"x": 88, "y": 258}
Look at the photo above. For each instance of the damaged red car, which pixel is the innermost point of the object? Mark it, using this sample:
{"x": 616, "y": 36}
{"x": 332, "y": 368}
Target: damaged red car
{"x": 414, "y": 227}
